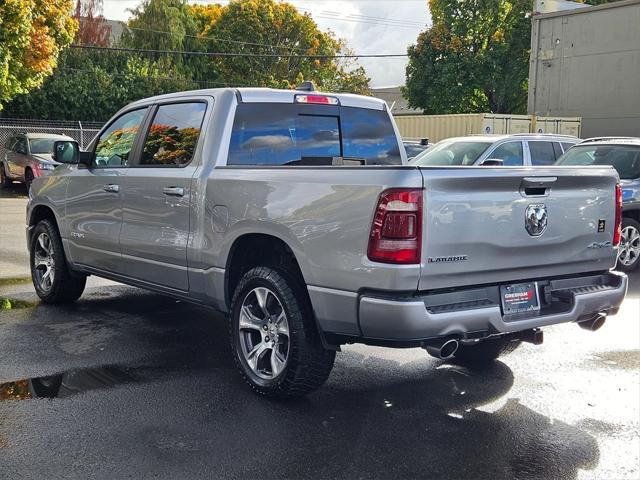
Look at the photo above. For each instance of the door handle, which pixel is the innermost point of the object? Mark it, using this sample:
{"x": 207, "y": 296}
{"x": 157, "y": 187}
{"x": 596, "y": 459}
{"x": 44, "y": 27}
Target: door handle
{"x": 173, "y": 191}
{"x": 111, "y": 187}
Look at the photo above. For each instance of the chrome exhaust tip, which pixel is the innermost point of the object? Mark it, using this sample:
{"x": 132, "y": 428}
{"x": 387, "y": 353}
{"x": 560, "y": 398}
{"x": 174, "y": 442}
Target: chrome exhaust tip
{"x": 593, "y": 324}
{"x": 443, "y": 350}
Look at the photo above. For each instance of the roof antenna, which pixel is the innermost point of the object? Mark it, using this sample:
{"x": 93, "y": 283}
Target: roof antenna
{"x": 306, "y": 87}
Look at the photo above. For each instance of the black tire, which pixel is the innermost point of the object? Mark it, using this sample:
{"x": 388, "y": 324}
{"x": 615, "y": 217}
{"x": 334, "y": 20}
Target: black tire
{"x": 5, "y": 181}
{"x": 308, "y": 363}
{"x": 28, "y": 179}
{"x": 633, "y": 259}
{"x": 66, "y": 286}
{"x": 485, "y": 352}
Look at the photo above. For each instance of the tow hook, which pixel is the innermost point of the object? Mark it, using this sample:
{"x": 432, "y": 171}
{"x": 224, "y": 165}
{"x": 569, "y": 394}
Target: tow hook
{"x": 534, "y": 336}
{"x": 594, "y": 323}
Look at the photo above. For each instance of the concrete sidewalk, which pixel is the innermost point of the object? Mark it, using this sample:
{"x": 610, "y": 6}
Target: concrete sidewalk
{"x": 14, "y": 256}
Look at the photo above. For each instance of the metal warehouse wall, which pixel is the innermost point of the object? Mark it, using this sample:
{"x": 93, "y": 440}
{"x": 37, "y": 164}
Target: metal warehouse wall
{"x": 586, "y": 63}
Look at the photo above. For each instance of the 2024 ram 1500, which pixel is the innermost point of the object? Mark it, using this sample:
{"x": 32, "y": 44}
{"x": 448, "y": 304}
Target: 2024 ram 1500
{"x": 296, "y": 213}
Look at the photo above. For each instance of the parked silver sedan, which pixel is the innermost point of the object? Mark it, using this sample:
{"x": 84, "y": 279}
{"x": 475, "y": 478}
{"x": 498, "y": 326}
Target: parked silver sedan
{"x": 25, "y": 156}
{"x": 513, "y": 150}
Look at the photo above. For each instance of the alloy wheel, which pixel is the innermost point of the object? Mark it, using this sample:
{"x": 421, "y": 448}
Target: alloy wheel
{"x": 264, "y": 333}
{"x": 44, "y": 262}
{"x": 629, "y": 249}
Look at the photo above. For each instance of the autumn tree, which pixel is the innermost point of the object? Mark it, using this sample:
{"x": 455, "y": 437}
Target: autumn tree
{"x": 474, "y": 58}
{"x": 280, "y": 43}
{"x": 93, "y": 27}
{"x": 32, "y": 34}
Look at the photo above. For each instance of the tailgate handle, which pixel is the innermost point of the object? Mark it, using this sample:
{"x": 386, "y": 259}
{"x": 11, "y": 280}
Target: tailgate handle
{"x": 536, "y": 186}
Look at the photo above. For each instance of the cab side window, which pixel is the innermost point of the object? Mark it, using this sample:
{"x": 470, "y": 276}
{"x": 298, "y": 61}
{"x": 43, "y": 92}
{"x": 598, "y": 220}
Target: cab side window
{"x": 8, "y": 145}
{"x": 542, "y": 153}
{"x": 115, "y": 143}
{"x": 510, "y": 153}
{"x": 173, "y": 135}
{"x": 20, "y": 146}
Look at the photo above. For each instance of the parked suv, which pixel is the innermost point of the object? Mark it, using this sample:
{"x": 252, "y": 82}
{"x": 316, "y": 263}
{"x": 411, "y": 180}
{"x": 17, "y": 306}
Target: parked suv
{"x": 26, "y": 156}
{"x": 295, "y": 213}
{"x": 509, "y": 150}
{"x": 623, "y": 154}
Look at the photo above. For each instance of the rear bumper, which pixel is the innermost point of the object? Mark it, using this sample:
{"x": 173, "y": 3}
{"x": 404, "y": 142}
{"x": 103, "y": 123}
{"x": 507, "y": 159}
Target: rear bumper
{"x": 476, "y": 312}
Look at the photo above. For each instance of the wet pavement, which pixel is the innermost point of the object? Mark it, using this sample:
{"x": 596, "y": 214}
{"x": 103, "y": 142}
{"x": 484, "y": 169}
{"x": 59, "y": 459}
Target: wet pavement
{"x": 127, "y": 383}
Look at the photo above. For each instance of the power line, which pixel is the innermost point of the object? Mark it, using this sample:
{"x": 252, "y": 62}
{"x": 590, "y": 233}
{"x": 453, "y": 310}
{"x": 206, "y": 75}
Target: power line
{"x": 198, "y": 37}
{"x": 238, "y": 54}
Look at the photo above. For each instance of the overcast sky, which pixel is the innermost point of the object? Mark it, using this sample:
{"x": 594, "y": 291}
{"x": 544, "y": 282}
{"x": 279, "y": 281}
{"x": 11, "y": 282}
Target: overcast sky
{"x": 368, "y": 26}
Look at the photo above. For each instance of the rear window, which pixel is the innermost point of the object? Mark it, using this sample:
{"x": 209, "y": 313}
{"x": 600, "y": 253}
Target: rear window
{"x": 624, "y": 158}
{"x": 294, "y": 134}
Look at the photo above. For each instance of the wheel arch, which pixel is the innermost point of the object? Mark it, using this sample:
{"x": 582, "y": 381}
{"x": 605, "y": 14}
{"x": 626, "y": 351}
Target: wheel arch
{"x": 253, "y": 249}
{"x": 633, "y": 214}
{"x": 37, "y": 214}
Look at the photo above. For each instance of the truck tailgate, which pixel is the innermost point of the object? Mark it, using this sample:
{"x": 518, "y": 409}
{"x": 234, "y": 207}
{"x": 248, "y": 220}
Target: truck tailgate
{"x": 475, "y": 223}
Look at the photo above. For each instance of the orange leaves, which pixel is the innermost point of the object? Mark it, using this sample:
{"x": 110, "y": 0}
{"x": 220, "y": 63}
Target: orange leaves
{"x": 43, "y": 48}
{"x": 32, "y": 33}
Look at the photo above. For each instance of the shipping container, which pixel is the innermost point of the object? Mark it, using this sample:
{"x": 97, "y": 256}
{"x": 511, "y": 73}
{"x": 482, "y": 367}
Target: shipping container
{"x": 438, "y": 127}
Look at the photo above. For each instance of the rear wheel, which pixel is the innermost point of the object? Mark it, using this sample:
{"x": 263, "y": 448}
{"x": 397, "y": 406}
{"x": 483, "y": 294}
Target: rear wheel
{"x": 629, "y": 249}
{"x": 483, "y": 353}
{"x": 274, "y": 338}
{"x": 53, "y": 280}
{"x": 28, "y": 179}
{"x": 5, "y": 181}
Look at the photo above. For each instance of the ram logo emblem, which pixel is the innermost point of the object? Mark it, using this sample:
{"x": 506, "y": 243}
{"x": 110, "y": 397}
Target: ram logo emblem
{"x": 535, "y": 219}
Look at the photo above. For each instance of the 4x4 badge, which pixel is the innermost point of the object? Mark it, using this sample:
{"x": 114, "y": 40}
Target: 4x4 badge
{"x": 535, "y": 219}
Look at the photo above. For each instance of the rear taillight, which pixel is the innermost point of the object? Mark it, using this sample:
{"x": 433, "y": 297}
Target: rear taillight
{"x": 617, "y": 233}
{"x": 396, "y": 232}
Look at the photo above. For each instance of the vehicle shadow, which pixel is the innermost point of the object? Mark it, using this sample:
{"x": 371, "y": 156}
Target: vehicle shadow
{"x": 15, "y": 190}
{"x": 376, "y": 417}
{"x": 634, "y": 284}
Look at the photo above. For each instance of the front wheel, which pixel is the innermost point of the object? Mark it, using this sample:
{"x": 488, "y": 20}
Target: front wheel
{"x": 274, "y": 338}
{"x": 484, "y": 352}
{"x": 51, "y": 276}
{"x": 629, "y": 249}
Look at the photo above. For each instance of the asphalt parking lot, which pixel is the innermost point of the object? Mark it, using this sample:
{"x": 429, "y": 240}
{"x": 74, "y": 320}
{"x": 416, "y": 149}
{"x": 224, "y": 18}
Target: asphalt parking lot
{"x": 144, "y": 386}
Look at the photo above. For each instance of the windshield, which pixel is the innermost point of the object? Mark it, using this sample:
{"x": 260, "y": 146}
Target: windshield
{"x": 41, "y": 145}
{"x": 624, "y": 158}
{"x": 451, "y": 152}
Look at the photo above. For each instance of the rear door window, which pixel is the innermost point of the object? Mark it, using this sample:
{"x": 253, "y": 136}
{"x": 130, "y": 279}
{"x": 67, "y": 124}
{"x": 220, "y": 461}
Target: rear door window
{"x": 173, "y": 135}
{"x": 510, "y": 153}
{"x": 542, "y": 153}
{"x": 294, "y": 134}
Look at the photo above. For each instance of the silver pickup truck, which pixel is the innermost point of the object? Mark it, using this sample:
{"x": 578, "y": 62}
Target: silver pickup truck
{"x": 296, "y": 213}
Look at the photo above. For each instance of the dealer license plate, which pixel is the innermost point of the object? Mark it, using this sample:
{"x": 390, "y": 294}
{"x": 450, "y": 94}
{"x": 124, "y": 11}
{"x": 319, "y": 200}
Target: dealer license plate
{"x": 520, "y": 297}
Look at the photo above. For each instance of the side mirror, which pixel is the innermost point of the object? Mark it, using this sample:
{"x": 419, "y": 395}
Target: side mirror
{"x": 491, "y": 162}
{"x": 66, "y": 151}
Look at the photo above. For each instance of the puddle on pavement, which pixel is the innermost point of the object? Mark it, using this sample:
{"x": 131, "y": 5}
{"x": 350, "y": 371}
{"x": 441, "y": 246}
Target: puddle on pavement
{"x": 67, "y": 384}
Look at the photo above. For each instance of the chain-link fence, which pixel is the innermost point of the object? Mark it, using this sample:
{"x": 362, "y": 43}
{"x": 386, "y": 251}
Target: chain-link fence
{"x": 82, "y": 132}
